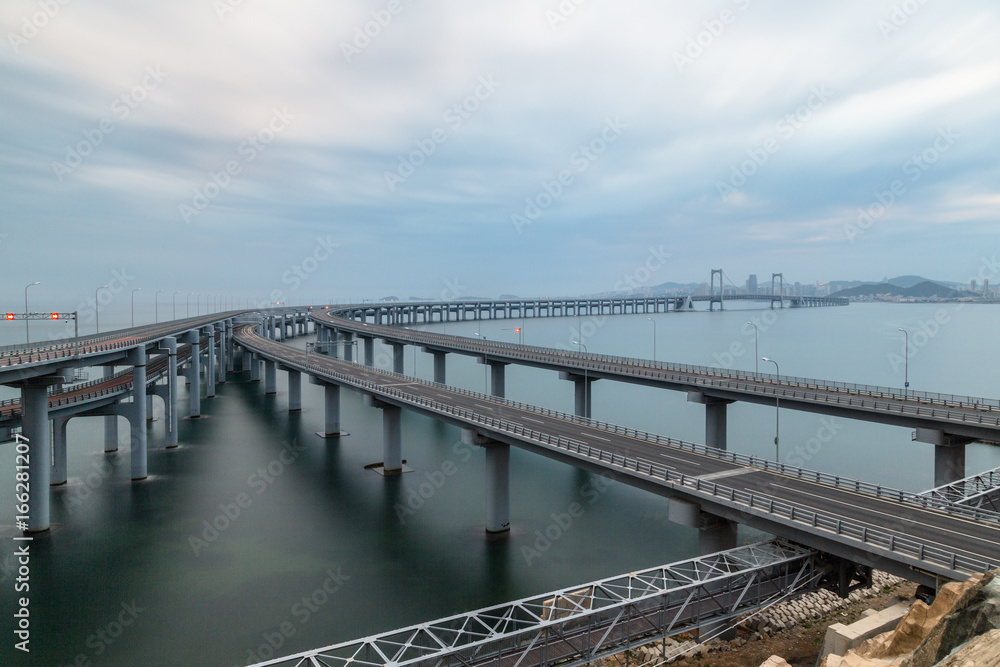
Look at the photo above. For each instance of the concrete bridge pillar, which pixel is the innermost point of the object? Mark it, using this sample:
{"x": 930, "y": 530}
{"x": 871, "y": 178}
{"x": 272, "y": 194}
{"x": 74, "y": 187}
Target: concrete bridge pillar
{"x": 348, "y": 347}
{"x": 210, "y": 371}
{"x": 35, "y": 429}
{"x": 58, "y": 475}
{"x": 715, "y": 418}
{"x": 270, "y": 377}
{"x": 497, "y": 378}
{"x": 245, "y": 361}
{"x": 254, "y": 367}
{"x": 194, "y": 373}
{"x": 397, "y": 357}
{"x": 392, "y": 442}
{"x": 170, "y": 403}
{"x": 138, "y": 449}
{"x": 369, "y": 344}
{"x": 439, "y": 364}
{"x": 294, "y": 391}
{"x": 497, "y": 488}
{"x": 220, "y": 366}
{"x": 331, "y": 400}
{"x": 272, "y": 334}
{"x": 582, "y": 392}
{"x": 949, "y": 454}
{"x": 229, "y": 346}
{"x": 111, "y": 422}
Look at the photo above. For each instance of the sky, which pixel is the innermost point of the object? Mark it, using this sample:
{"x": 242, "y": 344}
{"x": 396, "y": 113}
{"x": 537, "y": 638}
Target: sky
{"x": 307, "y": 151}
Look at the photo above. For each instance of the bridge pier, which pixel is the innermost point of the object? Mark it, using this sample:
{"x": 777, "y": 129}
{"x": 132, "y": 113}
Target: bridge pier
{"x": 170, "y": 400}
{"x": 331, "y": 403}
{"x": 392, "y": 440}
{"x": 949, "y": 454}
{"x": 440, "y": 374}
{"x": 348, "y": 347}
{"x": 270, "y": 377}
{"x": 58, "y": 475}
{"x": 497, "y": 488}
{"x": 582, "y": 392}
{"x": 369, "y": 344}
{"x": 220, "y": 365}
{"x": 254, "y": 367}
{"x": 715, "y": 418}
{"x": 210, "y": 370}
{"x": 497, "y": 376}
{"x": 138, "y": 443}
{"x": 110, "y": 423}
{"x": 294, "y": 390}
{"x": 397, "y": 357}
{"x": 35, "y": 428}
{"x": 194, "y": 373}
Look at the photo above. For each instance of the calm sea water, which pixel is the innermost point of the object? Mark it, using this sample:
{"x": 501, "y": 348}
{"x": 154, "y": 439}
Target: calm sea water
{"x": 322, "y": 551}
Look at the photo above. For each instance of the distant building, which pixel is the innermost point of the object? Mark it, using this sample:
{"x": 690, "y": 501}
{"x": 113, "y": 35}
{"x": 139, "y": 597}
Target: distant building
{"x": 986, "y": 286}
{"x": 972, "y": 285}
{"x": 752, "y": 284}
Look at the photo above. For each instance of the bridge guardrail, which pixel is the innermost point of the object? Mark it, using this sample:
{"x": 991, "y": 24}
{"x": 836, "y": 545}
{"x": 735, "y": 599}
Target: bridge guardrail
{"x": 875, "y": 537}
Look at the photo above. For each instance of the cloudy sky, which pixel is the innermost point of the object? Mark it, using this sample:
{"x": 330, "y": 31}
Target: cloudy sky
{"x": 445, "y": 149}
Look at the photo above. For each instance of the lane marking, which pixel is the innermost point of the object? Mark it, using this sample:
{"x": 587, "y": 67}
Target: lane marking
{"x": 727, "y": 473}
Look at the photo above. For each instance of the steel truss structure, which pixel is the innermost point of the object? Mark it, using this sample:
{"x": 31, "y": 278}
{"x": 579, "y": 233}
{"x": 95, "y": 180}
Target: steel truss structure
{"x": 980, "y": 491}
{"x": 579, "y": 624}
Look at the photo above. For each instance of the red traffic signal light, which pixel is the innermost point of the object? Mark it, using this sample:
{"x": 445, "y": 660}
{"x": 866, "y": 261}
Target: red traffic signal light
{"x": 10, "y": 316}
{"x": 517, "y": 330}
{"x": 55, "y": 316}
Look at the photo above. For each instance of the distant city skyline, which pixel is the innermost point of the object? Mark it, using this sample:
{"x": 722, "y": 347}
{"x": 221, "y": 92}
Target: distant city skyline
{"x": 319, "y": 150}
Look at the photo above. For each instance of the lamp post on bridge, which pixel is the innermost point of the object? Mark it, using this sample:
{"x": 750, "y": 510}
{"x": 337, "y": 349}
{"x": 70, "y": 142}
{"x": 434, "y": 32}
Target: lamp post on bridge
{"x": 27, "y": 334}
{"x": 137, "y": 289}
{"x": 156, "y": 304}
{"x": 906, "y": 361}
{"x": 756, "y": 364}
{"x": 777, "y": 407}
{"x": 97, "y": 307}
{"x": 187, "y": 304}
{"x": 654, "y": 336}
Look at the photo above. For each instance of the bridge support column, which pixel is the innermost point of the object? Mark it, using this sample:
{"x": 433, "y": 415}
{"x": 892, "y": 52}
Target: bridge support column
{"x": 58, "y": 475}
{"x": 220, "y": 366}
{"x": 294, "y": 391}
{"x": 369, "y": 343}
{"x": 392, "y": 440}
{"x": 35, "y": 428}
{"x": 270, "y": 377}
{"x": 194, "y": 373}
{"x": 138, "y": 450}
{"x": 497, "y": 488}
{"x": 254, "y": 368}
{"x": 210, "y": 371}
{"x": 245, "y": 361}
{"x": 715, "y": 418}
{"x": 949, "y": 454}
{"x": 110, "y": 423}
{"x": 170, "y": 404}
{"x": 497, "y": 378}
{"x": 397, "y": 357}
{"x": 348, "y": 347}
{"x": 331, "y": 401}
{"x": 714, "y": 534}
{"x": 582, "y": 392}
{"x": 439, "y": 364}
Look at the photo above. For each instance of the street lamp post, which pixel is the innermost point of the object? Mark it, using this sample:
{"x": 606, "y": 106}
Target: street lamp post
{"x": 906, "y": 361}
{"x": 137, "y": 289}
{"x": 187, "y": 304}
{"x": 156, "y": 304}
{"x": 97, "y": 307}
{"x": 756, "y": 364}
{"x": 654, "y": 336}
{"x": 777, "y": 407}
{"x": 27, "y": 334}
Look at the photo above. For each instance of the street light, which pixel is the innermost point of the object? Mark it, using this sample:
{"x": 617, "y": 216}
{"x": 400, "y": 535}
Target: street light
{"x": 27, "y": 335}
{"x": 777, "y": 407}
{"x": 756, "y": 365}
{"x": 137, "y": 289}
{"x": 97, "y": 307}
{"x": 906, "y": 361}
{"x": 654, "y": 337}
{"x": 156, "y": 303}
{"x": 187, "y": 305}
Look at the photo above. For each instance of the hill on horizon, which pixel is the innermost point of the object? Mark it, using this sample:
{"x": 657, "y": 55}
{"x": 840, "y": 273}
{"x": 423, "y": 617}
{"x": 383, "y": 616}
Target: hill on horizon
{"x": 926, "y": 288}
